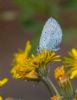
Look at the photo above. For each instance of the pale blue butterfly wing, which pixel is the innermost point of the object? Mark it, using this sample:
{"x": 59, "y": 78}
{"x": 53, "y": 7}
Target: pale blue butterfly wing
{"x": 51, "y": 36}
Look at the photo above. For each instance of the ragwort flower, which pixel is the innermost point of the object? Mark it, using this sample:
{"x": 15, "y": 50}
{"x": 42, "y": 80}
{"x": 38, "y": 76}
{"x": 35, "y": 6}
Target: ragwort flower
{"x": 61, "y": 76}
{"x": 27, "y": 67}
{"x": 1, "y": 98}
{"x": 56, "y": 98}
{"x": 71, "y": 63}
{"x": 20, "y": 57}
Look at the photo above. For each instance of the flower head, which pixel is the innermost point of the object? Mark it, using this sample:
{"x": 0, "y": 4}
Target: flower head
{"x": 59, "y": 72}
{"x": 56, "y": 98}
{"x": 20, "y": 57}
{"x": 48, "y": 56}
{"x": 1, "y": 98}
{"x": 27, "y": 67}
{"x": 61, "y": 76}
{"x": 21, "y": 71}
{"x": 71, "y": 63}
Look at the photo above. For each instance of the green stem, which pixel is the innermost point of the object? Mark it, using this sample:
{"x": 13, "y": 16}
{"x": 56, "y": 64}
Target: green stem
{"x": 50, "y": 86}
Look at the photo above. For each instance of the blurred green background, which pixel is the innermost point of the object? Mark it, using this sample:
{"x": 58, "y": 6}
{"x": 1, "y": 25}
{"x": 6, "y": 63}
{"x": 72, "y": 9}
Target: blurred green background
{"x": 22, "y": 20}
{"x": 34, "y": 13}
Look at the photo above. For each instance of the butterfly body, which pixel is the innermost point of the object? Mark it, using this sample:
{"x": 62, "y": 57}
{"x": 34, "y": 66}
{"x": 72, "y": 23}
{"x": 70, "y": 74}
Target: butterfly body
{"x": 51, "y": 36}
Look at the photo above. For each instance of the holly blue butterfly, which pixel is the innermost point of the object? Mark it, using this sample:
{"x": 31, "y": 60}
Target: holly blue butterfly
{"x": 51, "y": 36}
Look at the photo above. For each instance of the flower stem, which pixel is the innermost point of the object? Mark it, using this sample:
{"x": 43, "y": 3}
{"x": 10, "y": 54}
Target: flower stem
{"x": 50, "y": 86}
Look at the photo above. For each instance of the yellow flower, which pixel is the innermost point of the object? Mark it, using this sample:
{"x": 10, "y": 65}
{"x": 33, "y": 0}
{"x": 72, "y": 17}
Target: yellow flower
{"x": 59, "y": 72}
{"x": 27, "y": 48}
{"x": 3, "y": 81}
{"x": 31, "y": 75}
{"x": 73, "y": 53}
{"x": 71, "y": 63}
{"x": 20, "y": 57}
{"x": 25, "y": 66}
{"x": 56, "y": 98}
{"x": 1, "y": 98}
{"x": 47, "y": 56}
{"x": 61, "y": 76}
{"x": 17, "y": 70}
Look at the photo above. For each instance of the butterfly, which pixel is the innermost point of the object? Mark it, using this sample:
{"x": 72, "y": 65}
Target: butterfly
{"x": 51, "y": 36}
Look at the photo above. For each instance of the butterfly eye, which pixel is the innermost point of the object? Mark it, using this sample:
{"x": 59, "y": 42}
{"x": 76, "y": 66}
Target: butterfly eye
{"x": 38, "y": 49}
